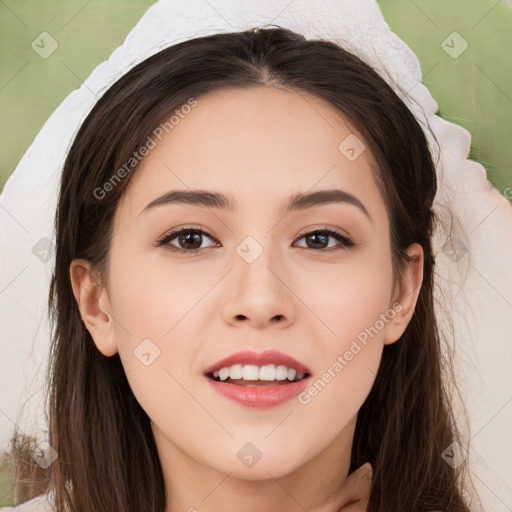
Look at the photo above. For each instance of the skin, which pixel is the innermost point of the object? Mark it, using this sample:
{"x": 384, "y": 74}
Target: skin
{"x": 197, "y": 308}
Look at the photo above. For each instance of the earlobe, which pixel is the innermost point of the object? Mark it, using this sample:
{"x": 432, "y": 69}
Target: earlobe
{"x": 405, "y": 295}
{"x": 93, "y": 304}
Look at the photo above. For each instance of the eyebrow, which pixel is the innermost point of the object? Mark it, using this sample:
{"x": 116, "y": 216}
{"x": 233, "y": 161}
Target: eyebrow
{"x": 299, "y": 201}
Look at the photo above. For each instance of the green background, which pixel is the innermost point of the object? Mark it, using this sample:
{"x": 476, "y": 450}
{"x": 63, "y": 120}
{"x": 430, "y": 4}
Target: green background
{"x": 473, "y": 90}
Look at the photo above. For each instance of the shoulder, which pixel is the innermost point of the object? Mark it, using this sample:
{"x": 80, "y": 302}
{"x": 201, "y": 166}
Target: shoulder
{"x": 38, "y": 504}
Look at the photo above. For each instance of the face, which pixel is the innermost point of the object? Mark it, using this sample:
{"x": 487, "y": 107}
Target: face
{"x": 254, "y": 277}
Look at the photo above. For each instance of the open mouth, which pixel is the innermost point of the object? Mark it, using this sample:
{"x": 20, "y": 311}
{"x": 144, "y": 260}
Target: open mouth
{"x": 251, "y": 382}
{"x": 260, "y": 387}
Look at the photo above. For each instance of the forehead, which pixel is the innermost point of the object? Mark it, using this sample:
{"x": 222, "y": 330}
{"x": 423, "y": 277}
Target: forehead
{"x": 258, "y": 143}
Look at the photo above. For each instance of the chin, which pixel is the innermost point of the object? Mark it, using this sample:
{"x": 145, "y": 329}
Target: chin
{"x": 260, "y": 458}
{"x": 266, "y": 468}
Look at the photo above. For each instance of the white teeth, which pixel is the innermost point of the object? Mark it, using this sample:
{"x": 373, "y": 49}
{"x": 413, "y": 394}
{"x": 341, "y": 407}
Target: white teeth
{"x": 223, "y": 373}
{"x": 236, "y": 371}
{"x": 268, "y": 372}
{"x": 250, "y": 372}
{"x": 281, "y": 372}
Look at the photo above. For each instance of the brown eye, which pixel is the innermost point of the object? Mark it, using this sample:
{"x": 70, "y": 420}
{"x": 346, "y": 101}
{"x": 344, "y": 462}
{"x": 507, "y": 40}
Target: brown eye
{"x": 188, "y": 240}
{"x": 319, "y": 239}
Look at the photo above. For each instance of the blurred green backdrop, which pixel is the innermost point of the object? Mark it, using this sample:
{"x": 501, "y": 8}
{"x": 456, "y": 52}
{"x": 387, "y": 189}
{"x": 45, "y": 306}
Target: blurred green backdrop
{"x": 473, "y": 90}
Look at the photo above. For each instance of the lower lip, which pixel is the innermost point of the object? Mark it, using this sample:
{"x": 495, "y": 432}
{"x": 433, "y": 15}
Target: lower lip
{"x": 259, "y": 397}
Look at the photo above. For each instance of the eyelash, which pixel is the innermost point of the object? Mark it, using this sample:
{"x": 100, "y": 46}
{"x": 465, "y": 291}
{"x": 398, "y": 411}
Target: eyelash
{"x": 347, "y": 243}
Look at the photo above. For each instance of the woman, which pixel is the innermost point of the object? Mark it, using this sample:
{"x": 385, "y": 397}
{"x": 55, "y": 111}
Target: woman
{"x": 243, "y": 291}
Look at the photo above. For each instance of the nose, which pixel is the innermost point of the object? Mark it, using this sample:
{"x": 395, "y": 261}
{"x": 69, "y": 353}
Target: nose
{"x": 259, "y": 294}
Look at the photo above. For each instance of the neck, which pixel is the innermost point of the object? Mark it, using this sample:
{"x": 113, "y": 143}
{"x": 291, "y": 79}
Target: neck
{"x": 315, "y": 485}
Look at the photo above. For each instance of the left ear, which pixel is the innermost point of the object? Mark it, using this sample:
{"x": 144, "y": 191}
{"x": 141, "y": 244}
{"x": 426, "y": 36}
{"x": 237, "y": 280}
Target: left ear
{"x": 405, "y": 295}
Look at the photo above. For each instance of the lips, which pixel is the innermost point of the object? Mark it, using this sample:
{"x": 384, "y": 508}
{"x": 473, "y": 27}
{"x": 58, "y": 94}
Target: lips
{"x": 281, "y": 378}
{"x": 259, "y": 397}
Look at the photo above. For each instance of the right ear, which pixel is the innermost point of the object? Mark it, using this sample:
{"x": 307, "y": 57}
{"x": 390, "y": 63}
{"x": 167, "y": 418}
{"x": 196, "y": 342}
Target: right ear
{"x": 94, "y": 306}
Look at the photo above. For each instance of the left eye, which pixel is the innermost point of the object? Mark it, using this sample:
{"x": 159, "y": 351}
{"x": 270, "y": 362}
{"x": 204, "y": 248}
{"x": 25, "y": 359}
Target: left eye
{"x": 321, "y": 236}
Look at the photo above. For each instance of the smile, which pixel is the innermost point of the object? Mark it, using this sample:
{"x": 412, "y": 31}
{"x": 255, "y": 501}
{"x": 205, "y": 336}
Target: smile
{"x": 252, "y": 375}
{"x": 258, "y": 379}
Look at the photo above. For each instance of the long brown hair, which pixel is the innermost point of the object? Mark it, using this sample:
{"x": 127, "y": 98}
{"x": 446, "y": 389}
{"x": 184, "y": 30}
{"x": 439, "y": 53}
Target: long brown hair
{"x": 405, "y": 423}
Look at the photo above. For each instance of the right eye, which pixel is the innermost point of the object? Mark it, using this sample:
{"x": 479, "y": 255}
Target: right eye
{"x": 189, "y": 239}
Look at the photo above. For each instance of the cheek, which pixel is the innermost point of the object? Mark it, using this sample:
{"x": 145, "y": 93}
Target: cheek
{"x": 157, "y": 301}
{"x": 158, "y": 327}
{"x": 158, "y": 342}
{"x": 348, "y": 298}
{"x": 351, "y": 303}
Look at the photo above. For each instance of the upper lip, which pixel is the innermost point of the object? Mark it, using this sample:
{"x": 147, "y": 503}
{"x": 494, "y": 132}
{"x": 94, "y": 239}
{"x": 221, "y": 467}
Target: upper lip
{"x": 259, "y": 359}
